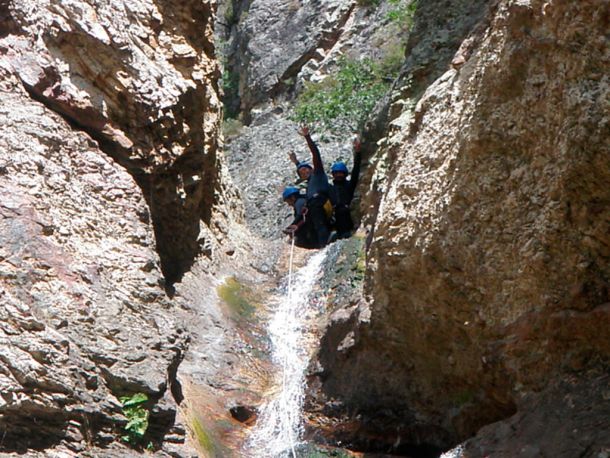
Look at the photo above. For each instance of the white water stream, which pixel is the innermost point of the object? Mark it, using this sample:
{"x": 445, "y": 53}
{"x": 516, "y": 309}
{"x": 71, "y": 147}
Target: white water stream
{"x": 457, "y": 452}
{"x": 278, "y": 430}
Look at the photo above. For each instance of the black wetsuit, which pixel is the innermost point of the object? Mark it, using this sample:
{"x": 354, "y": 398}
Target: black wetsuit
{"x": 304, "y": 236}
{"x": 318, "y": 191}
{"x": 341, "y": 195}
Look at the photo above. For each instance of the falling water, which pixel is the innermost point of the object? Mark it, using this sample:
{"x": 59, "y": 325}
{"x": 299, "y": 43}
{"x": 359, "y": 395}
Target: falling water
{"x": 278, "y": 429}
{"x": 457, "y": 452}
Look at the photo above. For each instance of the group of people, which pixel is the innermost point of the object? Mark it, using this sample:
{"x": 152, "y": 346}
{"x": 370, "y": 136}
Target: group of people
{"x": 321, "y": 209}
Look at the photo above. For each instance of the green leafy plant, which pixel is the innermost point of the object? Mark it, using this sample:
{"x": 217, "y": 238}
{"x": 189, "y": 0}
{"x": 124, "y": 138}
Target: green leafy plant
{"x": 360, "y": 267}
{"x": 230, "y": 16}
{"x": 392, "y": 60}
{"x": 343, "y": 100}
{"x": 137, "y": 417}
{"x": 230, "y": 89}
{"x": 230, "y": 81}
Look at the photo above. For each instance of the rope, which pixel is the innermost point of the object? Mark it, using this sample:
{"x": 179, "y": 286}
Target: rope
{"x": 294, "y": 455}
{"x": 290, "y": 269}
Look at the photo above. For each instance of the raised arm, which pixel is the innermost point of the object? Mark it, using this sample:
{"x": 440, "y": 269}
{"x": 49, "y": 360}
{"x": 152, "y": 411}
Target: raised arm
{"x": 356, "y": 168}
{"x": 293, "y": 158}
{"x": 315, "y": 152}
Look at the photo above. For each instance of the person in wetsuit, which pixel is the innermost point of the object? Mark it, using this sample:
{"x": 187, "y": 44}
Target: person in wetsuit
{"x": 317, "y": 192}
{"x": 342, "y": 192}
{"x": 301, "y": 227}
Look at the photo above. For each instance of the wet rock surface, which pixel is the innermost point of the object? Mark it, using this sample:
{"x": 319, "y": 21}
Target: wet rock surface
{"x": 487, "y": 269}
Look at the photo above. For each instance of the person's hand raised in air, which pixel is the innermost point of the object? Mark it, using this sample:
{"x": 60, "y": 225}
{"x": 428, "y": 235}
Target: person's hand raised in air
{"x": 304, "y": 131}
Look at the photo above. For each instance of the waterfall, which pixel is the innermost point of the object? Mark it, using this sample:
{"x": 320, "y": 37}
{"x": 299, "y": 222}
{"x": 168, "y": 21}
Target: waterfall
{"x": 457, "y": 452}
{"x": 279, "y": 427}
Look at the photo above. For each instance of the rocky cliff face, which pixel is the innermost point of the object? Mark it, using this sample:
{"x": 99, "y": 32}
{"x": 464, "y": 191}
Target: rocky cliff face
{"x": 112, "y": 188}
{"x": 274, "y": 41}
{"x": 487, "y": 273}
{"x": 140, "y": 79}
{"x": 85, "y": 319}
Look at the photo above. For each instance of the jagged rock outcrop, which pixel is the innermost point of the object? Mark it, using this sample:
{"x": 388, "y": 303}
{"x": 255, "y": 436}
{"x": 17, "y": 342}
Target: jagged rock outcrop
{"x": 141, "y": 79}
{"x": 569, "y": 418}
{"x": 112, "y": 187}
{"x": 276, "y": 39}
{"x": 487, "y": 273}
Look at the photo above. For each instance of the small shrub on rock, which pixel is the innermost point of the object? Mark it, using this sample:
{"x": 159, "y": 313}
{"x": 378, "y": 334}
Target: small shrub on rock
{"x": 342, "y": 101}
{"x": 137, "y": 417}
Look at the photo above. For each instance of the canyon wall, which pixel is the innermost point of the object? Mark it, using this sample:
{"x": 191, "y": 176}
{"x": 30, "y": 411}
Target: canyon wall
{"x": 112, "y": 188}
{"x": 488, "y": 208}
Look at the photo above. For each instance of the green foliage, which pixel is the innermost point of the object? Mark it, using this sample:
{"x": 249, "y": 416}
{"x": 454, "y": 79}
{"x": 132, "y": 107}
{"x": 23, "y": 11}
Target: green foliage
{"x": 359, "y": 270}
{"x": 230, "y": 88}
{"x": 342, "y": 101}
{"x": 137, "y": 417}
{"x": 229, "y": 15}
{"x": 393, "y": 58}
{"x": 230, "y": 82}
{"x": 403, "y": 13}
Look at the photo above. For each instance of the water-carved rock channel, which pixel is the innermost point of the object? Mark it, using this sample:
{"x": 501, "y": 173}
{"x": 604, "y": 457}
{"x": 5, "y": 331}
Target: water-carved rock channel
{"x": 279, "y": 429}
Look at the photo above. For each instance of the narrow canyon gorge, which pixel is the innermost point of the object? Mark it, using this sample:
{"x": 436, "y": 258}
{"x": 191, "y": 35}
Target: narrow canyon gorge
{"x": 151, "y": 305}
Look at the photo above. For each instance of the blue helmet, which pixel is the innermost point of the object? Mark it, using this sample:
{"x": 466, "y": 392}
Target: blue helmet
{"x": 339, "y": 167}
{"x": 290, "y": 191}
{"x": 303, "y": 164}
